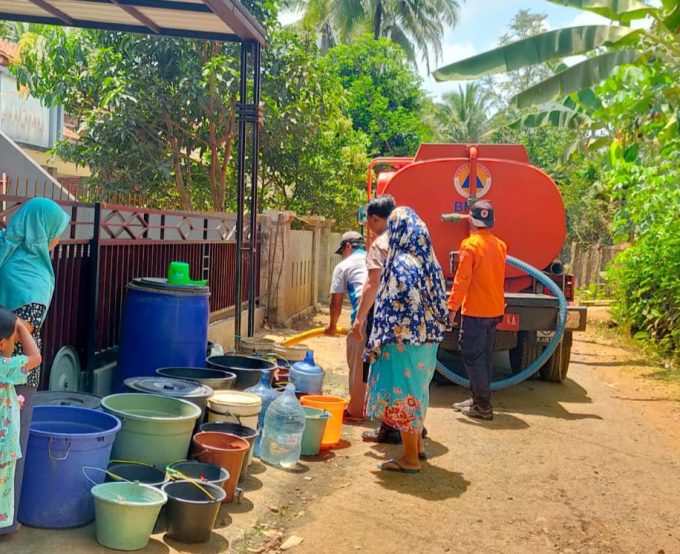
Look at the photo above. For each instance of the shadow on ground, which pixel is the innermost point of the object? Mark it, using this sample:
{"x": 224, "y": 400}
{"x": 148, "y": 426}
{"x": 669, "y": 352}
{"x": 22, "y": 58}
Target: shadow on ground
{"x": 432, "y": 483}
{"x": 381, "y": 452}
{"x": 527, "y": 398}
{"x": 215, "y": 545}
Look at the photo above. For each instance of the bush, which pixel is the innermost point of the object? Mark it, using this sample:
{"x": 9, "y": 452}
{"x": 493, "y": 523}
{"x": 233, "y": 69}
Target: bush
{"x": 646, "y": 285}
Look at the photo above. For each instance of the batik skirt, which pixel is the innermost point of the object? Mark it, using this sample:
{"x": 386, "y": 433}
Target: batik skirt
{"x": 399, "y": 385}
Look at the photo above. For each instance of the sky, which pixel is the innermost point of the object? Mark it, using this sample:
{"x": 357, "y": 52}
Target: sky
{"x": 480, "y": 25}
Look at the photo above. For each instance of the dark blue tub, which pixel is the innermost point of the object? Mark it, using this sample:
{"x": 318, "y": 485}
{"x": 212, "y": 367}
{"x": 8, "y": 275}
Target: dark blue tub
{"x": 62, "y": 440}
{"x": 163, "y": 326}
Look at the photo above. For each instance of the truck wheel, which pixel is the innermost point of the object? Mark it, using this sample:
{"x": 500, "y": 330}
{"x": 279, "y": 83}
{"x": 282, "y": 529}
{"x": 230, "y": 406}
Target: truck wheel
{"x": 555, "y": 369}
{"x": 525, "y": 353}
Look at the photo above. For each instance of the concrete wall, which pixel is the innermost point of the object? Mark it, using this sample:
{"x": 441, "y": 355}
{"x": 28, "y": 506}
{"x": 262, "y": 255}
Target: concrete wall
{"x": 300, "y": 275}
{"x": 222, "y": 331}
{"x": 296, "y": 265}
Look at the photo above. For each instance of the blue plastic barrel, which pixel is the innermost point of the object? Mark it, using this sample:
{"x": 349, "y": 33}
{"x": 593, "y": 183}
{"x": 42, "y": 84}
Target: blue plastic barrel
{"x": 163, "y": 326}
{"x": 62, "y": 440}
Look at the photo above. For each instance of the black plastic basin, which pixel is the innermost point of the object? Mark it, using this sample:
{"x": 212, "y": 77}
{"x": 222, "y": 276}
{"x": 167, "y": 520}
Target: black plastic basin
{"x": 247, "y": 368}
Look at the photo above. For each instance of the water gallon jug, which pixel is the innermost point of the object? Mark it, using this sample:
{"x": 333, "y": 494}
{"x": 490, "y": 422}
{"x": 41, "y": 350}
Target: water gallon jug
{"x": 284, "y": 424}
{"x": 307, "y": 376}
{"x": 267, "y": 393}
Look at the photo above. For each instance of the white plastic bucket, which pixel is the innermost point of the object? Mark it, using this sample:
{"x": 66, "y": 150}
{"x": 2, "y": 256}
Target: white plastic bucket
{"x": 232, "y": 406}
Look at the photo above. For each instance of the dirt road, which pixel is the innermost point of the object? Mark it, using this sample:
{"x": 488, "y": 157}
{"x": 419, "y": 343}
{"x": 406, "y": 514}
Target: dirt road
{"x": 590, "y": 466}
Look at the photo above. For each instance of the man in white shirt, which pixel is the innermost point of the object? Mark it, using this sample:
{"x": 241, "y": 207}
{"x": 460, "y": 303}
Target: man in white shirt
{"x": 349, "y": 277}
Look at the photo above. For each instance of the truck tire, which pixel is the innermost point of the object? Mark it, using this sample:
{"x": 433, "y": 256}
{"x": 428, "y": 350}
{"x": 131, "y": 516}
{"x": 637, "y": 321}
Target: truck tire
{"x": 555, "y": 369}
{"x": 525, "y": 353}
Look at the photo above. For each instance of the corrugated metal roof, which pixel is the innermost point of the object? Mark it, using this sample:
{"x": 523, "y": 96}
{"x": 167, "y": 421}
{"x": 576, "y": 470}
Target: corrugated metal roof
{"x": 207, "y": 19}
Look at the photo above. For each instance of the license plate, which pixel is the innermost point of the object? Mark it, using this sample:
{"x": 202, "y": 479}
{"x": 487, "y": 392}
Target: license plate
{"x": 510, "y": 323}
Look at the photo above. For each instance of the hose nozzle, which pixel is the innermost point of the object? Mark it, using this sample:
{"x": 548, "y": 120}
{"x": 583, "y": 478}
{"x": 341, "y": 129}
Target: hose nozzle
{"x": 455, "y": 218}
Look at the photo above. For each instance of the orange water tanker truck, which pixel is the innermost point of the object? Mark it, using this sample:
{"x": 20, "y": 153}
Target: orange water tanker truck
{"x": 440, "y": 183}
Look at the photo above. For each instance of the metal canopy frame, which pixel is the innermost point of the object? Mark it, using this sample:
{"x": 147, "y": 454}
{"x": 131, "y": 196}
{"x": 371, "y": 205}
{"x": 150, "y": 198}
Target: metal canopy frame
{"x": 220, "y": 20}
{"x": 223, "y": 20}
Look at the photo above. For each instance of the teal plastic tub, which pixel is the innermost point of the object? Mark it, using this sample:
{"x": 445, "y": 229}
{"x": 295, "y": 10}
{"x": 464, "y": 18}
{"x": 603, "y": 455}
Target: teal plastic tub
{"x": 315, "y": 426}
{"x": 126, "y": 514}
{"x": 156, "y": 429}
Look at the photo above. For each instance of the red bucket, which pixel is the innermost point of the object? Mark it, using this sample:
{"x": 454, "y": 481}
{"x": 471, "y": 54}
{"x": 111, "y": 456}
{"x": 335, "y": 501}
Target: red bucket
{"x": 224, "y": 450}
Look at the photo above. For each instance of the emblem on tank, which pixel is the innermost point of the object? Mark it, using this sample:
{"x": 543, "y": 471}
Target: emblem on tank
{"x": 461, "y": 180}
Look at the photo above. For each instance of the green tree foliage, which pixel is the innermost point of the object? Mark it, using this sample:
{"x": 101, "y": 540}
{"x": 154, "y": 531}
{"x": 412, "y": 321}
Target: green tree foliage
{"x": 645, "y": 275}
{"x": 418, "y": 26}
{"x": 384, "y": 98}
{"x": 313, "y": 161}
{"x": 639, "y": 107}
{"x": 463, "y": 114}
{"x": 157, "y": 117}
{"x": 524, "y": 25}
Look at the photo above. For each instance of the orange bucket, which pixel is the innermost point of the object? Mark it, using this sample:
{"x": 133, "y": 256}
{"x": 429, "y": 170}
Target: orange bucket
{"x": 335, "y": 406}
{"x": 224, "y": 450}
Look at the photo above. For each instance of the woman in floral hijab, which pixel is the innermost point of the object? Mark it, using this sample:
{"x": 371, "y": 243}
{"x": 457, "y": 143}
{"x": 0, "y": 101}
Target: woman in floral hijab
{"x": 410, "y": 321}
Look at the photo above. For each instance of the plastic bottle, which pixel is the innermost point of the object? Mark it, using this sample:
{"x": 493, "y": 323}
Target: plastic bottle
{"x": 307, "y": 376}
{"x": 266, "y": 392}
{"x": 284, "y": 424}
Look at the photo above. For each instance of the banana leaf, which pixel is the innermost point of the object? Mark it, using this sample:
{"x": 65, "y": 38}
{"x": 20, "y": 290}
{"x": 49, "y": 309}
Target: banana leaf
{"x": 624, "y": 11}
{"x": 536, "y": 49}
{"x": 555, "y": 115}
{"x": 672, "y": 21}
{"x": 578, "y": 77}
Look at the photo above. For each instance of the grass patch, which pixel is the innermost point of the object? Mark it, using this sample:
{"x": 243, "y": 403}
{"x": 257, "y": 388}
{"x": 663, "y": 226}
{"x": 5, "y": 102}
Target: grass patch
{"x": 663, "y": 367}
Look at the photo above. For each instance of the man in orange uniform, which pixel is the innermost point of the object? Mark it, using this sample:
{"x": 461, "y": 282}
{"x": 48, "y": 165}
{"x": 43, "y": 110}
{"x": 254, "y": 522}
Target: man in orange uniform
{"x": 478, "y": 288}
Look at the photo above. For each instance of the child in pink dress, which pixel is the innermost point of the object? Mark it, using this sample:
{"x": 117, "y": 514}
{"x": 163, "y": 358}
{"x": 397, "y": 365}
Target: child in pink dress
{"x": 14, "y": 370}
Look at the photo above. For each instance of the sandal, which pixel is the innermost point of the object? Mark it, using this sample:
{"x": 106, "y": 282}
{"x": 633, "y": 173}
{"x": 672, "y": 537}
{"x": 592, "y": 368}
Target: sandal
{"x": 398, "y": 469}
{"x": 382, "y": 435}
{"x": 349, "y": 418}
{"x": 422, "y": 456}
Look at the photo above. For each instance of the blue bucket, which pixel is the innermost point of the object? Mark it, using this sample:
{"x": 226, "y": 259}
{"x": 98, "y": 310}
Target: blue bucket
{"x": 55, "y": 493}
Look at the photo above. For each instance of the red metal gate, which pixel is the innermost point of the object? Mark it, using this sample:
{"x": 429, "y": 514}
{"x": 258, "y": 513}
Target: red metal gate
{"x": 106, "y": 247}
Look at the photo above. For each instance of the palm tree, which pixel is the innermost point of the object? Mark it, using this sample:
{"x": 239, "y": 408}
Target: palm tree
{"x": 418, "y": 26}
{"x": 333, "y": 20}
{"x": 464, "y": 113}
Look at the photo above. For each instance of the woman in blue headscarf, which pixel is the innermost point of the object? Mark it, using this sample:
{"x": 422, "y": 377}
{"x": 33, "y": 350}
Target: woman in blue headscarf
{"x": 410, "y": 321}
{"x": 26, "y": 288}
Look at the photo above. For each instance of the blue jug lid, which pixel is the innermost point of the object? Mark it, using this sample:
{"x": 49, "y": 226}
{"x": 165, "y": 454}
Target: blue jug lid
{"x": 308, "y": 366}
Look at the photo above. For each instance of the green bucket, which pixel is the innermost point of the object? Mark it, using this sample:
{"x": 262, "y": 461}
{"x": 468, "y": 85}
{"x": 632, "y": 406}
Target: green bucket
{"x": 125, "y": 514}
{"x": 156, "y": 429}
{"x": 315, "y": 425}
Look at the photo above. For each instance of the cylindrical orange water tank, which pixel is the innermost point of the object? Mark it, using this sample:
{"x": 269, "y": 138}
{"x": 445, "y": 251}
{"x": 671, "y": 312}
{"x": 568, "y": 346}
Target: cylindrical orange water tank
{"x": 528, "y": 208}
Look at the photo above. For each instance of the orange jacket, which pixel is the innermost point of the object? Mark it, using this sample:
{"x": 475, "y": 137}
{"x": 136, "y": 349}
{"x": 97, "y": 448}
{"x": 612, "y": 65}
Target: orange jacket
{"x": 480, "y": 277}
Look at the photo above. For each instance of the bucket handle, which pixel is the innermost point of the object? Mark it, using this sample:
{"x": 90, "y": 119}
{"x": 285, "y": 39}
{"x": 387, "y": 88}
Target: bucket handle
{"x": 106, "y": 471}
{"x": 174, "y": 473}
{"x": 169, "y": 466}
{"x": 130, "y": 462}
{"x": 228, "y": 413}
{"x": 58, "y": 458}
